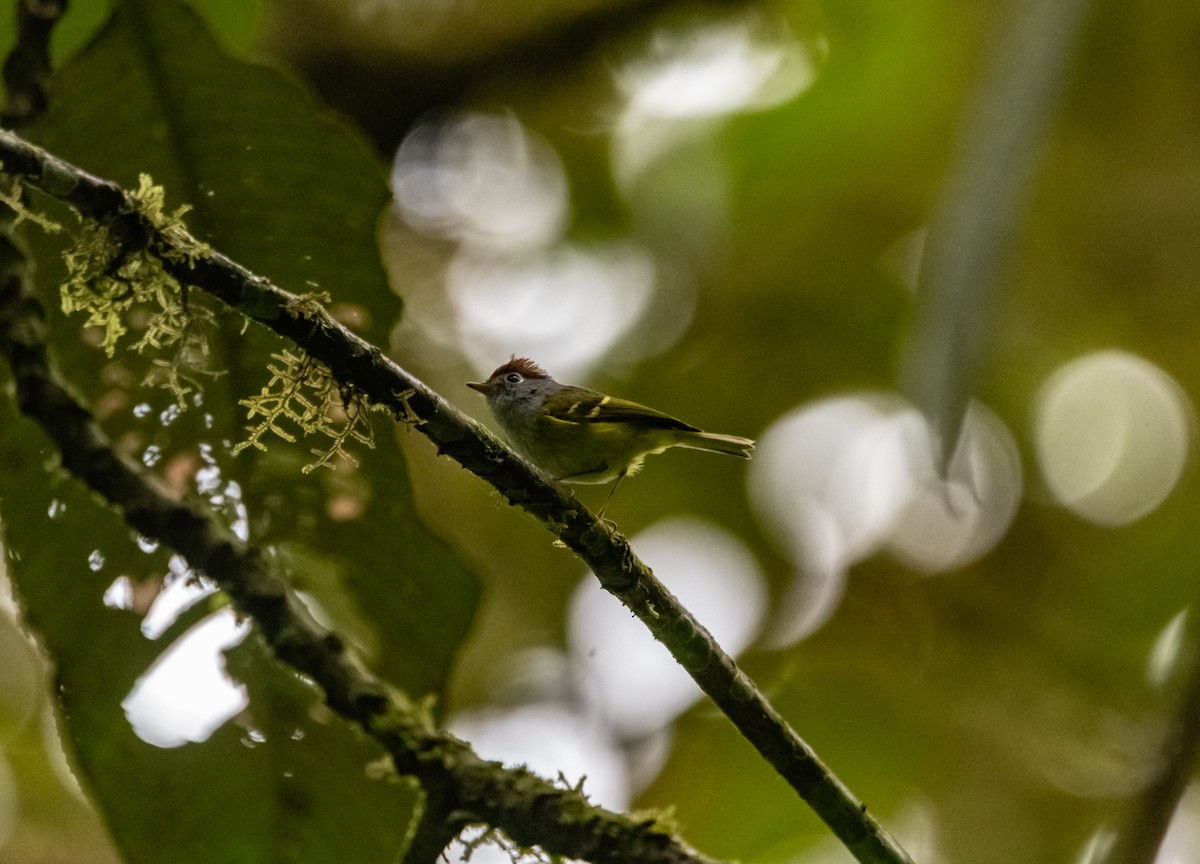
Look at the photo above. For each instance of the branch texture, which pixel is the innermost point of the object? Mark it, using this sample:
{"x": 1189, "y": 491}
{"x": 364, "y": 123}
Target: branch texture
{"x": 456, "y": 780}
{"x": 363, "y": 368}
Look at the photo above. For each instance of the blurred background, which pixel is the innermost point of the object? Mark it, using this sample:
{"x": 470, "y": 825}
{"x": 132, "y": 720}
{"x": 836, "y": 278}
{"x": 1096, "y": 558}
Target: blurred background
{"x": 721, "y": 210}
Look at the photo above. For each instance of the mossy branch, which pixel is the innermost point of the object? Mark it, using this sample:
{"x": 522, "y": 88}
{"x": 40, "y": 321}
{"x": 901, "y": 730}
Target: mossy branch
{"x": 460, "y": 788}
{"x": 361, "y": 367}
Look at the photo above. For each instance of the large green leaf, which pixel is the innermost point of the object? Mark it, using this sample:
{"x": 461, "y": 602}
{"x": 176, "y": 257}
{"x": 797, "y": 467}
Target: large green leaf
{"x": 234, "y": 23}
{"x": 294, "y": 194}
{"x": 276, "y": 183}
{"x": 291, "y": 192}
{"x": 284, "y": 781}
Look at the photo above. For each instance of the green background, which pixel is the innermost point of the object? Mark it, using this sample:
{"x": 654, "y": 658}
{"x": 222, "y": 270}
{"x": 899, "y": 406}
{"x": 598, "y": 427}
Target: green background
{"x": 996, "y": 713}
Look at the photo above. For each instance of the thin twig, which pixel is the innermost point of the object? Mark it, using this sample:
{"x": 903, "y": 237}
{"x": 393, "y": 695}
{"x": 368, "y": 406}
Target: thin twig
{"x": 363, "y": 367}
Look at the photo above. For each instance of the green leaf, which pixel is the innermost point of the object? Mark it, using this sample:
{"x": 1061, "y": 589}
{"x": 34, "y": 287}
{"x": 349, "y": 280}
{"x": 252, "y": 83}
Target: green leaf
{"x": 974, "y": 227}
{"x": 353, "y": 542}
{"x": 284, "y": 188}
{"x": 285, "y": 780}
{"x": 235, "y": 24}
{"x": 275, "y": 182}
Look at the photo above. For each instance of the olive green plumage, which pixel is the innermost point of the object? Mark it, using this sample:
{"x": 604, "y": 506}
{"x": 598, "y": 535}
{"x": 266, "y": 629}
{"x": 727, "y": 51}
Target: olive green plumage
{"x": 577, "y": 435}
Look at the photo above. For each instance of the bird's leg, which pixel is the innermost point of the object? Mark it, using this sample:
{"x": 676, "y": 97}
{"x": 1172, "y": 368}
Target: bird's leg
{"x": 611, "y": 492}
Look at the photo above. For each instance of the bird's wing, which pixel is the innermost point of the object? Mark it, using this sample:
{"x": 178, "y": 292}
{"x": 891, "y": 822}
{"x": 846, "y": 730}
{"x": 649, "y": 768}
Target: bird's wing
{"x": 580, "y": 405}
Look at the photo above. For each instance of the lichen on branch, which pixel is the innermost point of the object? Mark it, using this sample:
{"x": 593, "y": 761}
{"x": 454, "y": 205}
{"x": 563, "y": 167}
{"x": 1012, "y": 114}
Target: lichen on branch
{"x": 368, "y": 370}
{"x": 107, "y": 278}
{"x": 303, "y": 394}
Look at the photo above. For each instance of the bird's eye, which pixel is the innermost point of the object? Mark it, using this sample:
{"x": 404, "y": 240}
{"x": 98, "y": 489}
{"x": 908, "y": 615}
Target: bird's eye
{"x": 512, "y": 378}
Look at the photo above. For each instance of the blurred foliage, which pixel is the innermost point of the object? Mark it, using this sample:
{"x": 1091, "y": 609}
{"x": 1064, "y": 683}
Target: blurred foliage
{"x": 1001, "y": 712}
{"x": 299, "y": 771}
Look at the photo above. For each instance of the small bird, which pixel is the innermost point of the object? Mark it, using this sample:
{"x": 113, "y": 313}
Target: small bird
{"x": 577, "y": 435}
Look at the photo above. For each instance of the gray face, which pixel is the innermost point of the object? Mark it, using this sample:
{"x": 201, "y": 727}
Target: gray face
{"x": 511, "y": 394}
{"x": 560, "y": 450}
{"x": 506, "y": 385}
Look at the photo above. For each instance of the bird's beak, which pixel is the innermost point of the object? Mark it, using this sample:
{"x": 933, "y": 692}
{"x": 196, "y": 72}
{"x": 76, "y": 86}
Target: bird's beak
{"x": 481, "y": 388}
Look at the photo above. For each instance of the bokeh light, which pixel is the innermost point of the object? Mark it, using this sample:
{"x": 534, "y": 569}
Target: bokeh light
{"x": 1112, "y": 432}
{"x": 19, "y": 695}
{"x": 716, "y": 67}
{"x": 688, "y": 76}
{"x": 815, "y": 589}
{"x": 843, "y": 478}
{"x": 478, "y": 847}
{"x": 1183, "y": 836}
{"x": 632, "y": 680}
{"x": 952, "y": 520}
{"x": 56, "y": 754}
{"x": 20, "y": 674}
{"x": 515, "y": 284}
{"x": 551, "y": 738}
{"x": 1168, "y": 650}
{"x": 1098, "y": 846}
{"x": 565, "y": 306}
{"x": 538, "y": 720}
{"x": 1084, "y": 747}
{"x": 482, "y": 179}
{"x": 186, "y": 694}
{"x": 850, "y": 456}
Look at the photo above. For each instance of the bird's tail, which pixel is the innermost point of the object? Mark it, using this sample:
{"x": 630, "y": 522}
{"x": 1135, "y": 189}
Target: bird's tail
{"x": 732, "y": 445}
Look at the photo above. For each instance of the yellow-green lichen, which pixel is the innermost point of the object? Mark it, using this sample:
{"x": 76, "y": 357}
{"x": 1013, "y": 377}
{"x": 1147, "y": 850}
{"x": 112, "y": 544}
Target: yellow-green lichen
{"x": 184, "y": 333}
{"x": 303, "y": 396}
{"x": 406, "y": 413}
{"x": 21, "y": 213}
{"x": 310, "y": 305}
{"x": 472, "y": 841}
{"x": 179, "y": 245}
{"x": 104, "y": 283}
{"x": 106, "y": 279}
{"x": 108, "y": 276}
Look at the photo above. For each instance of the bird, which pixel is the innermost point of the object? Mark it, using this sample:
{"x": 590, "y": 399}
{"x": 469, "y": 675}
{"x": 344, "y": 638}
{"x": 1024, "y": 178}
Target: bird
{"x": 576, "y": 435}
